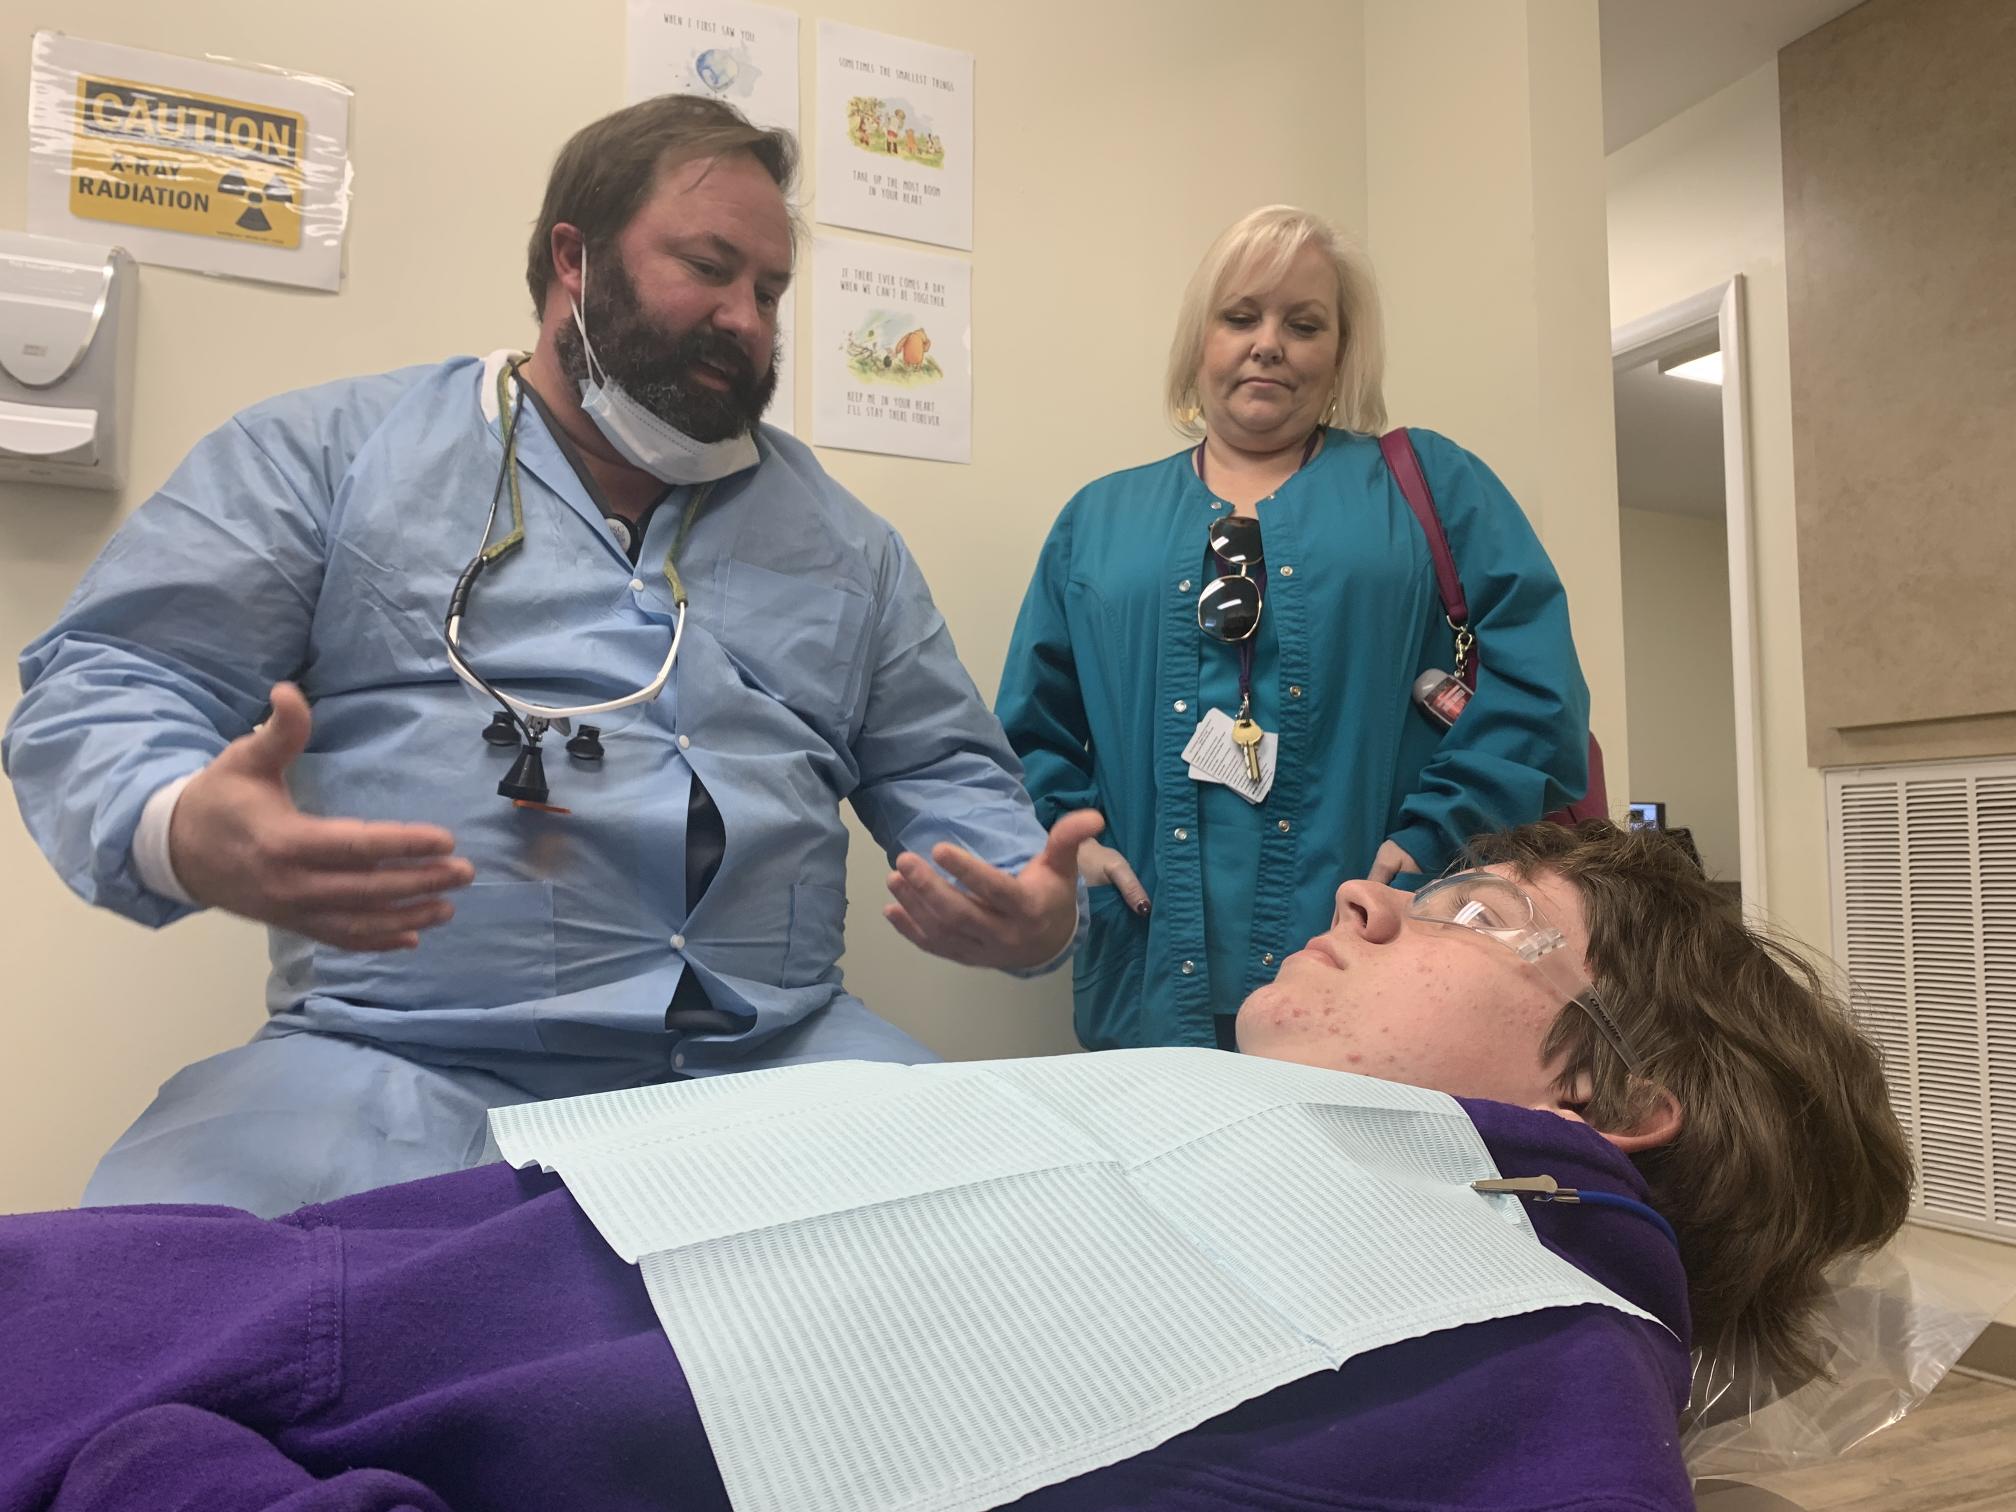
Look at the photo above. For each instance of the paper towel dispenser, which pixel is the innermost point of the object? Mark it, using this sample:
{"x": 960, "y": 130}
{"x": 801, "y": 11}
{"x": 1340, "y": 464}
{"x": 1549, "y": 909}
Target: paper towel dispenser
{"x": 66, "y": 360}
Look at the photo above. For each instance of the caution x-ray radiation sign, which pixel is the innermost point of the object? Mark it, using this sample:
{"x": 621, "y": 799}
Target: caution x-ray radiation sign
{"x": 190, "y": 162}
{"x": 145, "y": 156}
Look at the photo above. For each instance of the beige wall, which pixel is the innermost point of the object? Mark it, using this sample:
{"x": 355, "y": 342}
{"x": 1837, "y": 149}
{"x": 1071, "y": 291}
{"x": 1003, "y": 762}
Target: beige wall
{"x": 1485, "y": 186}
{"x": 1682, "y": 693}
{"x": 1690, "y": 203}
{"x": 1086, "y": 226}
{"x": 1898, "y": 118}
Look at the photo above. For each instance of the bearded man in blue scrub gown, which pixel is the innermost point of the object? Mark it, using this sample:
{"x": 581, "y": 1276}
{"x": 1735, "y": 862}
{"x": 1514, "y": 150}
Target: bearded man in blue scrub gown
{"x": 249, "y": 705}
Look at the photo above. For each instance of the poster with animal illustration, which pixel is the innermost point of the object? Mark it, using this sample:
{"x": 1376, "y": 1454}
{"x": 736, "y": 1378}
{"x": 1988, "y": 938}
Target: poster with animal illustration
{"x": 746, "y": 55}
{"x": 891, "y": 351}
{"x": 895, "y": 131}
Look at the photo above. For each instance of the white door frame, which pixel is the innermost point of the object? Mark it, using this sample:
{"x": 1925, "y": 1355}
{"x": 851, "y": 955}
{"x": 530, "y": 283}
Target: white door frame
{"x": 1720, "y": 310}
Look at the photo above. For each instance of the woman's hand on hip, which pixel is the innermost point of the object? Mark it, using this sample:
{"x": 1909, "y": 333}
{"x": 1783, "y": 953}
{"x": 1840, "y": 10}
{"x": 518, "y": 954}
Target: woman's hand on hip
{"x": 1103, "y": 866}
{"x": 1389, "y": 863}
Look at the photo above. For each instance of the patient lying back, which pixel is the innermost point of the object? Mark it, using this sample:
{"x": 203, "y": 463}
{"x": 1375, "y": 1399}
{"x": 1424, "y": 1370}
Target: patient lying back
{"x": 473, "y": 1341}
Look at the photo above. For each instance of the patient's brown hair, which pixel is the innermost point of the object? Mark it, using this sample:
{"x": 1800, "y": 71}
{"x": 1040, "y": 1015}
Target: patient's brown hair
{"x": 1789, "y": 1155}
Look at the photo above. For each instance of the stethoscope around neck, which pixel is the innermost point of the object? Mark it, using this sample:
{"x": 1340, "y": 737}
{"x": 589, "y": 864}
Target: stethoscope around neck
{"x": 519, "y": 722}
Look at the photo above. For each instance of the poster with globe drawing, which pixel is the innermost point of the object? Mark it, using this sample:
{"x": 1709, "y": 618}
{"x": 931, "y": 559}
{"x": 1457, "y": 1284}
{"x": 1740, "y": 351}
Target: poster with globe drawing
{"x": 891, "y": 351}
{"x": 727, "y": 50}
{"x": 744, "y": 54}
{"x": 895, "y": 131}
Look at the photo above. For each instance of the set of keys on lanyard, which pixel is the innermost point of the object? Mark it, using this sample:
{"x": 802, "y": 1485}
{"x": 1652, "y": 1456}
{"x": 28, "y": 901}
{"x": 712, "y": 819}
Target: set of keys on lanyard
{"x": 1246, "y": 735}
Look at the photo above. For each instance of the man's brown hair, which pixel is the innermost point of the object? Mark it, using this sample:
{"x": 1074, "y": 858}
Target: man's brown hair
{"x": 609, "y": 167}
{"x": 1789, "y": 1155}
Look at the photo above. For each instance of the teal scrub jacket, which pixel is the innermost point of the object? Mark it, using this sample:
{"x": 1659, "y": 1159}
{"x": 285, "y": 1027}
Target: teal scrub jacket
{"x": 1107, "y": 676}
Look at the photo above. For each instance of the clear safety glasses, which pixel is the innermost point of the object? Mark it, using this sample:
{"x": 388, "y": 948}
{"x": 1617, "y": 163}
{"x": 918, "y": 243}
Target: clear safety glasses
{"x": 1500, "y": 908}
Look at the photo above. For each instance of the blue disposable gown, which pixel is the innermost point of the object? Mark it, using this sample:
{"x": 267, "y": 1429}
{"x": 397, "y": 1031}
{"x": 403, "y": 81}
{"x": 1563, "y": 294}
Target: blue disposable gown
{"x": 317, "y": 537}
{"x": 1108, "y": 675}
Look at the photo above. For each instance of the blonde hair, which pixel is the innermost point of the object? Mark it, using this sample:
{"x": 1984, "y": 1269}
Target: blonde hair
{"x": 1253, "y": 254}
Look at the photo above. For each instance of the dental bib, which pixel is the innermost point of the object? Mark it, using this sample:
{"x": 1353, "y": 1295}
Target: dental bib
{"x": 941, "y": 1287}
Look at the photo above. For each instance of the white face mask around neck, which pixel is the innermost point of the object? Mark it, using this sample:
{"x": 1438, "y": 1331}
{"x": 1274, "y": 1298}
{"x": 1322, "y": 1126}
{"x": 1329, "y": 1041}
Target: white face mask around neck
{"x": 643, "y": 439}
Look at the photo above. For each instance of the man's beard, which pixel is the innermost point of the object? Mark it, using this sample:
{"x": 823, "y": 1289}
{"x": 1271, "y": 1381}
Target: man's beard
{"x": 657, "y": 367}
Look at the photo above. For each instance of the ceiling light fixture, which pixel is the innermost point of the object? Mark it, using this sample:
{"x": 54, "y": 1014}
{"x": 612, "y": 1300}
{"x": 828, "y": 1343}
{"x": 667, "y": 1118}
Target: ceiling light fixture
{"x": 1706, "y": 369}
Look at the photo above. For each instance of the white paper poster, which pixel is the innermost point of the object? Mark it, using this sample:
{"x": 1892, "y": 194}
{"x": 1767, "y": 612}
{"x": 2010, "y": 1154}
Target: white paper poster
{"x": 189, "y": 163}
{"x": 892, "y": 351}
{"x": 895, "y": 133}
{"x": 744, "y": 54}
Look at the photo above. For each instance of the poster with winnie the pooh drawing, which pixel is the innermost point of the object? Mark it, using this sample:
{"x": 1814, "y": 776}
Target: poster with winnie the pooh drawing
{"x": 895, "y": 130}
{"x": 891, "y": 351}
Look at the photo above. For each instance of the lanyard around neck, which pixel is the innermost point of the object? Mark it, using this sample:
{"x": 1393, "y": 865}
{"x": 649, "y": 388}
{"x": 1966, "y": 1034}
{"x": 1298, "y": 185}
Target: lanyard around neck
{"x": 508, "y": 413}
{"x": 1308, "y": 451}
{"x": 1246, "y": 645}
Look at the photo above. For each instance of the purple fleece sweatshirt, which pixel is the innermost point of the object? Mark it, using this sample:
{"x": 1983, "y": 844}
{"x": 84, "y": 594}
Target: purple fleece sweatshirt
{"x": 469, "y": 1342}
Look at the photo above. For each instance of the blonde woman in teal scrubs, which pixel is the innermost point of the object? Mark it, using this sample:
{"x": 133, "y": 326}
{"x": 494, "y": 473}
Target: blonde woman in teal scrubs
{"x": 1271, "y": 575}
